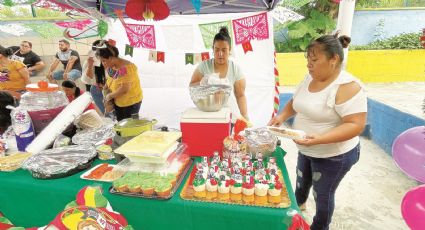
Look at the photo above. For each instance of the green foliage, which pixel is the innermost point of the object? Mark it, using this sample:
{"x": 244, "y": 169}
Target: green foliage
{"x": 295, "y": 4}
{"x": 301, "y": 33}
{"x": 362, "y": 4}
{"x": 24, "y": 13}
{"x": 8, "y": 3}
{"x": 402, "y": 41}
{"x": 46, "y": 13}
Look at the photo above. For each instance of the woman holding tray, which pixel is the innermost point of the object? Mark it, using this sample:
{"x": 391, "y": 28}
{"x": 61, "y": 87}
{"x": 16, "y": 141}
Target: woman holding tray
{"x": 330, "y": 105}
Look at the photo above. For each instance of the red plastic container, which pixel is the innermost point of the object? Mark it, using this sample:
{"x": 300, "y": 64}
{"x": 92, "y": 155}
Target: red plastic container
{"x": 204, "y": 132}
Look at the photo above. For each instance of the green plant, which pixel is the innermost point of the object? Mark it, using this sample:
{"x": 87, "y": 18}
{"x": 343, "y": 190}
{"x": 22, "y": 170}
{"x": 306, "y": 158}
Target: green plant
{"x": 361, "y": 4}
{"x": 402, "y": 41}
{"x": 6, "y": 12}
{"x": 47, "y": 13}
{"x": 301, "y": 33}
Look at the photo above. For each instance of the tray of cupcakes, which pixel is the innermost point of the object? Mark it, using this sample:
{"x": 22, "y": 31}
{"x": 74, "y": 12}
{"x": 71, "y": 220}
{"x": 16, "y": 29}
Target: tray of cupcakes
{"x": 239, "y": 180}
{"x": 152, "y": 181}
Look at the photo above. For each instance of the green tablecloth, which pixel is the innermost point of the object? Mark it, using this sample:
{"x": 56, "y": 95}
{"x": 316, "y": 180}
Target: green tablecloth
{"x": 30, "y": 202}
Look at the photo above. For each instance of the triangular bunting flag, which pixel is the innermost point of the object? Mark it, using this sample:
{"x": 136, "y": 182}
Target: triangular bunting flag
{"x": 205, "y": 56}
{"x": 247, "y": 46}
{"x": 189, "y": 58}
{"x": 160, "y": 56}
{"x": 197, "y": 5}
{"x": 129, "y": 50}
{"x": 197, "y": 58}
{"x": 152, "y": 55}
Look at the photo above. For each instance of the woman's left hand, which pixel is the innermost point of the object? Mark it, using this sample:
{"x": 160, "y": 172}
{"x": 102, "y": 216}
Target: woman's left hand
{"x": 108, "y": 97}
{"x": 309, "y": 140}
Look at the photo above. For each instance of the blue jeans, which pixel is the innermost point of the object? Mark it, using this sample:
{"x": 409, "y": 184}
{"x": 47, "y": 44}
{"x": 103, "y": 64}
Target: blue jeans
{"x": 324, "y": 174}
{"x": 97, "y": 95}
{"x": 73, "y": 75}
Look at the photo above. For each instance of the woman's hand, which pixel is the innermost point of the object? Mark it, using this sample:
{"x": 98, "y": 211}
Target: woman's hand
{"x": 309, "y": 140}
{"x": 276, "y": 120}
{"x": 109, "y": 97}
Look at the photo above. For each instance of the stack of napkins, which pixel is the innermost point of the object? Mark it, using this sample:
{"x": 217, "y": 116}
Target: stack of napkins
{"x": 150, "y": 147}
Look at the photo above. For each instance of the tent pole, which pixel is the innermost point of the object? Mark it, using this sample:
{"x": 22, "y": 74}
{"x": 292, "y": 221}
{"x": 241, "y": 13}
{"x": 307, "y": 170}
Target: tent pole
{"x": 345, "y": 22}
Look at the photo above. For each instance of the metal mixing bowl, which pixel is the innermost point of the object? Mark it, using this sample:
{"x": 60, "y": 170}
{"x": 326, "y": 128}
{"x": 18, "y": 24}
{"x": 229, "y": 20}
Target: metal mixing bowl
{"x": 210, "y": 98}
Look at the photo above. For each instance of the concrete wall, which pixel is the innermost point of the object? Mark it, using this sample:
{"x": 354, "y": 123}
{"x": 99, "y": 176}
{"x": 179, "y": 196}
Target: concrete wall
{"x": 384, "y": 123}
{"x": 395, "y": 22}
{"x": 370, "y": 66}
{"x": 47, "y": 48}
{"x": 366, "y": 24}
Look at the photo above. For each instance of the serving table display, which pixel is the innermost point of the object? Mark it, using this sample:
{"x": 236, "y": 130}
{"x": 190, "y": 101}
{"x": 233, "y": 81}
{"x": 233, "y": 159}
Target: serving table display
{"x": 31, "y": 202}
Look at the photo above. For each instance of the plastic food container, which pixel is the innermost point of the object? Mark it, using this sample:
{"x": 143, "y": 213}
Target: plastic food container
{"x": 134, "y": 126}
{"x": 44, "y": 102}
{"x": 260, "y": 141}
{"x": 151, "y": 180}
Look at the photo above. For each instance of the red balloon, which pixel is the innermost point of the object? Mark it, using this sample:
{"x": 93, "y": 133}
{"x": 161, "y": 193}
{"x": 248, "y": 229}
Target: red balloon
{"x": 413, "y": 208}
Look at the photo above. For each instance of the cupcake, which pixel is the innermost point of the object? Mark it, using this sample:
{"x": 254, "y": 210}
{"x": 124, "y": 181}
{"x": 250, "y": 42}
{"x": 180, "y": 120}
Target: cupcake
{"x": 120, "y": 185}
{"x": 199, "y": 187}
{"x": 236, "y": 190}
{"x": 275, "y": 188}
{"x": 163, "y": 189}
{"x": 134, "y": 186}
{"x": 248, "y": 190}
{"x": 211, "y": 186}
{"x": 147, "y": 187}
{"x": 223, "y": 190}
{"x": 261, "y": 193}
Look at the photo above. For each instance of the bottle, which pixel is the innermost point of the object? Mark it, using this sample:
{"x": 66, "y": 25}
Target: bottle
{"x": 23, "y": 128}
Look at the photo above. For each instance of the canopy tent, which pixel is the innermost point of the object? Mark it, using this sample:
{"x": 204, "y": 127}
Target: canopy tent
{"x": 165, "y": 84}
{"x": 185, "y": 7}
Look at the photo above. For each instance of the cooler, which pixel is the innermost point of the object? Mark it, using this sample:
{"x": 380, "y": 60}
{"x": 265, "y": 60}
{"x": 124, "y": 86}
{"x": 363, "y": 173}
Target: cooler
{"x": 204, "y": 132}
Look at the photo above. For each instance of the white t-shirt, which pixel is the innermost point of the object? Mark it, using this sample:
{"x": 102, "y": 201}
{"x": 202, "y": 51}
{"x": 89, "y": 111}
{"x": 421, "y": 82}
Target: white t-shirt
{"x": 96, "y": 62}
{"x": 233, "y": 74}
{"x": 317, "y": 113}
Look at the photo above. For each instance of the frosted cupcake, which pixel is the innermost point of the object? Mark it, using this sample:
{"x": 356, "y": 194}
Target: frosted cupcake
{"x": 236, "y": 190}
{"x": 212, "y": 187}
{"x": 275, "y": 188}
{"x": 261, "y": 193}
{"x": 199, "y": 186}
{"x": 248, "y": 190}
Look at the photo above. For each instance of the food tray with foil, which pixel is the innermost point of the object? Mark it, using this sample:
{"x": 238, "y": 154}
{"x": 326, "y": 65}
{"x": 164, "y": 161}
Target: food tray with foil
{"x": 151, "y": 185}
{"x": 280, "y": 201}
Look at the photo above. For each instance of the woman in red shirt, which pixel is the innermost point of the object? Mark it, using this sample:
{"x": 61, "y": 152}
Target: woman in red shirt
{"x": 72, "y": 91}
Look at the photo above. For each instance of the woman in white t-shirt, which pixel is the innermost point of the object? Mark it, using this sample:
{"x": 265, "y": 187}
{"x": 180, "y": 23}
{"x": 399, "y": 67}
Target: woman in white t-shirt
{"x": 221, "y": 70}
{"x": 330, "y": 105}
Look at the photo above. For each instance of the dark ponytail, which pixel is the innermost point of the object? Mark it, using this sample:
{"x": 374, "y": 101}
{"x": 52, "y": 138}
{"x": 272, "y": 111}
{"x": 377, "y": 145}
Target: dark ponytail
{"x": 223, "y": 35}
{"x": 331, "y": 45}
{"x": 5, "y": 51}
{"x": 71, "y": 85}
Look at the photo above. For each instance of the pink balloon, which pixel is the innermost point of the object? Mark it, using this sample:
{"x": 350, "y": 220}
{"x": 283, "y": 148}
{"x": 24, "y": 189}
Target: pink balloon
{"x": 413, "y": 208}
{"x": 409, "y": 152}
